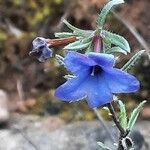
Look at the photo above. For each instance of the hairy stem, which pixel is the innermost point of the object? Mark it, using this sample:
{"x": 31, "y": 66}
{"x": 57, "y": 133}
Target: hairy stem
{"x": 103, "y": 124}
{"x": 97, "y": 44}
{"x": 61, "y": 41}
{"x": 123, "y": 133}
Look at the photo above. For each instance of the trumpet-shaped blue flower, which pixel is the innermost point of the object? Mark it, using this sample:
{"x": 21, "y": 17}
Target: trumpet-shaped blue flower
{"x": 95, "y": 79}
{"x": 40, "y": 49}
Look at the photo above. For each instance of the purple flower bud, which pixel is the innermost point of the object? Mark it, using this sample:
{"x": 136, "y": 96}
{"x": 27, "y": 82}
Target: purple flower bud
{"x": 40, "y": 49}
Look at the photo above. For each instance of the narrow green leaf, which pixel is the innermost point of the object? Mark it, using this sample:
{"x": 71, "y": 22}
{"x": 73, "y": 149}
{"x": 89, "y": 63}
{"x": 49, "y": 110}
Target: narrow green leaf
{"x": 102, "y": 146}
{"x": 132, "y": 61}
{"x": 63, "y": 34}
{"x": 116, "y": 49}
{"x": 78, "y": 45}
{"x": 106, "y": 45}
{"x": 105, "y": 11}
{"x": 134, "y": 115}
{"x": 60, "y": 59}
{"x": 86, "y": 40}
{"x": 116, "y": 40}
{"x": 122, "y": 114}
{"x": 77, "y": 31}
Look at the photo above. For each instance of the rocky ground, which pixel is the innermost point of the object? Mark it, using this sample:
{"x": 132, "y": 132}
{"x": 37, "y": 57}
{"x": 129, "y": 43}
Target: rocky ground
{"x": 25, "y": 132}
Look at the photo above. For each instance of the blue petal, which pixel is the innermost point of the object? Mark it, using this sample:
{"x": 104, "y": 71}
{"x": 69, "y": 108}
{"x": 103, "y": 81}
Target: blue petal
{"x": 98, "y": 92}
{"x": 106, "y": 60}
{"x": 119, "y": 81}
{"x": 39, "y": 42}
{"x": 46, "y": 53}
{"x": 73, "y": 90}
{"x": 76, "y": 62}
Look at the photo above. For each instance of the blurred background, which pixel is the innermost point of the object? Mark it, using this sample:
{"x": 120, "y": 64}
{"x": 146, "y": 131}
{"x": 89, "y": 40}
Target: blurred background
{"x": 27, "y": 86}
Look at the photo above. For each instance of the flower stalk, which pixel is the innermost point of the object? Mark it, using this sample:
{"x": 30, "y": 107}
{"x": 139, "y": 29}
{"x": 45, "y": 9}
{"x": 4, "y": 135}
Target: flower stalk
{"x": 123, "y": 133}
{"x": 61, "y": 41}
{"x": 97, "y": 43}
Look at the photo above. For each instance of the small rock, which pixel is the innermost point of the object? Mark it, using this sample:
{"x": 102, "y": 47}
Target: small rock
{"x": 4, "y": 110}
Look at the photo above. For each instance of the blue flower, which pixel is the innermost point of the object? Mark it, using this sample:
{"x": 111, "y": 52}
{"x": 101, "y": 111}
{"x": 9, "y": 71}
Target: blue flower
{"x": 95, "y": 79}
{"x": 40, "y": 49}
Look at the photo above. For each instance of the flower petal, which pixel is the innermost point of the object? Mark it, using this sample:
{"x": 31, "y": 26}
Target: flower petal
{"x": 76, "y": 62}
{"x": 99, "y": 93}
{"x": 119, "y": 81}
{"x": 72, "y": 90}
{"x": 39, "y": 42}
{"x": 106, "y": 60}
{"x": 46, "y": 53}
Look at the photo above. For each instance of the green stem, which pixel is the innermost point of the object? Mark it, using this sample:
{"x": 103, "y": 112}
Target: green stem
{"x": 123, "y": 133}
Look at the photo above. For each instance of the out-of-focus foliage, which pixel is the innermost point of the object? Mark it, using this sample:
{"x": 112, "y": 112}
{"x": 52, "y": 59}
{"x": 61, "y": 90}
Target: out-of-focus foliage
{"x": 27, "y": 14}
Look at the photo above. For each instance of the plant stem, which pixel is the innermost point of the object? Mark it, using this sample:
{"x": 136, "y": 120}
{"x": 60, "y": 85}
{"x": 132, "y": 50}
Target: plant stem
{"x": 103, "y": 124}
{"x": 61, "y": 41}
{"x": 97, "y": 44}
{"x": 123, "y": 133}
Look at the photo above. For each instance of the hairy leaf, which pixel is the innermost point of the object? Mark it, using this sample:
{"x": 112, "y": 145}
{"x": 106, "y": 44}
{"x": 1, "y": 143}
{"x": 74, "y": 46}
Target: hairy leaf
{"x": 77, "y": 31}
{"x": 78, "y": 45}
{"x": 116, "y": 40}
{"x": 132, "y": 61}
{"x": 122, "y": 114}
{"x": 105, "y": 11}
{"x": 115, "y": 49}
{"x": 106, "y": 45}
{"x": 134, "y": 115}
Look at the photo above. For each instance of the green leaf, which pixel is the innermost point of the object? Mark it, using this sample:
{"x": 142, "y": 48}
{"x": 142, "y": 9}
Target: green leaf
{"x": 134, "y": 115}
{"x": 77, "y": 31}
{"x": 132, "y": 61}
{"x": 116, "y": 40}
{"x": 60, "y": 59}
{"x": 63, "y": 34}
{"x": 102, "y": 146}
{"x": 116, "y": 49}
{"x": 80, "y": 44}
{"x": 105, "y": 11}
{"x": 122, "y": 114}
{"x": 106, "y": 45}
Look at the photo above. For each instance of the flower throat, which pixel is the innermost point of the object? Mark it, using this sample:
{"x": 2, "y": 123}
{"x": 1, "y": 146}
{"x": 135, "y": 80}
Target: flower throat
{"x": 95, "y": 70}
